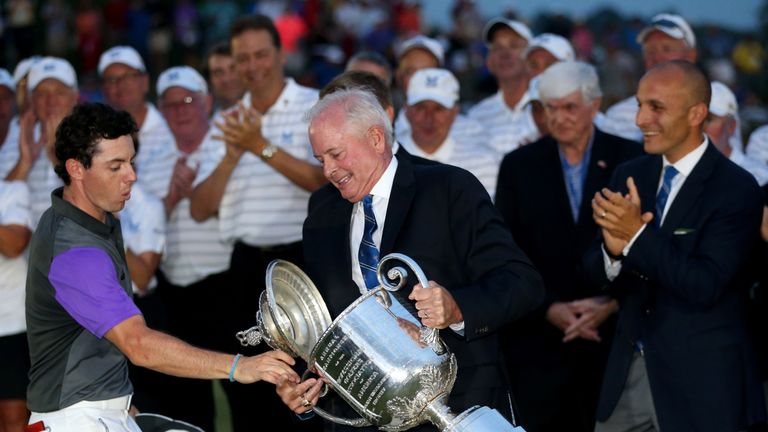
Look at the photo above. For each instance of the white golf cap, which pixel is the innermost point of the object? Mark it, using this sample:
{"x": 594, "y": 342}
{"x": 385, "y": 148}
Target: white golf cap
{"x": 121, "y": 54}
{"x": 556, "y": 45}
{"x": 438, "y": 85}
{"x": 54, "y": 68}
{"x": 723, "y": 102}
{"x": 6, "y": 80}
{"x": 181, "y": 76}
{"x": 517, "y": 26}
{"x": 431, "y": 45}
{"x": 673, "y": 26}
{"x": 23, "y": 67}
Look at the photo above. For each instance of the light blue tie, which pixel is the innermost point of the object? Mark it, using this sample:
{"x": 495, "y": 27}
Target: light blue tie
{"x": 368, "y": 255}
{"x": 661, "y": 199}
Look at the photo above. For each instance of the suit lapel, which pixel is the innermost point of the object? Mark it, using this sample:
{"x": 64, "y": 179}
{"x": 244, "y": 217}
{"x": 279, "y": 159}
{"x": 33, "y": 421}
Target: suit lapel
{"x": 553, "y": 179}
{"x": 400, "y": 199}
{"x": 337, "y": 234}
{"x": 691, "y": 190}
{"x": 598, "y": 169}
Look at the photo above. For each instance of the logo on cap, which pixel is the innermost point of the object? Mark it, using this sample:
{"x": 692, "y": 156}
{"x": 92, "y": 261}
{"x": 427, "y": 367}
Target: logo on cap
{"x": 431, "y": 81}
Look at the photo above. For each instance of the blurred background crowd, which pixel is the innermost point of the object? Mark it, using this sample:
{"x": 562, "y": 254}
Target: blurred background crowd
{"x": 320, "y": 35}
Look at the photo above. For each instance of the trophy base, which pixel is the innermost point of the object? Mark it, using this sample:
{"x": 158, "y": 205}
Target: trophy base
{"x": 481, "y": 419}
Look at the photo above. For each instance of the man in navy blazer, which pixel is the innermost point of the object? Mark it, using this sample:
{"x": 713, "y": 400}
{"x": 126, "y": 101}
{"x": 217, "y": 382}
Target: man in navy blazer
{"x": 438, "y": 215}
{"x": 675, "y": 246}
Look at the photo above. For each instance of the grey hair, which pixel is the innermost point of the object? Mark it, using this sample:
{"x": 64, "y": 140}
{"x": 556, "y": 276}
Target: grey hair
{"x": 564, "y": 78}
{"x": 361, "y": 109}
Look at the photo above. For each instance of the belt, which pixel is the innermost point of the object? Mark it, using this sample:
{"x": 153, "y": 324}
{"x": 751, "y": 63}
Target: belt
{"x": 119, "y": 403}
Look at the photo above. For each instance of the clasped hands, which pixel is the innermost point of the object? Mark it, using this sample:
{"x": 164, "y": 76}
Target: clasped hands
{"x": 619, "y": 216}
{"x": 581, "y": 318}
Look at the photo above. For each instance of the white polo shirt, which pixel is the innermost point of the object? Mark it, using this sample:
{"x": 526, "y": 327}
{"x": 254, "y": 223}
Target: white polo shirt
{"x": 464, "y": 148}
{"x": 757, "y": 146}
{"x": 14, "y": 210}
{"x": 42, "y": 180}
{"x": 620, "y": 120}
{"x": 9, "y": 150}
{"x": 193, "y": 250}
{"x": 155, "y": 138}
{"x": 142, "y": 221}
{"x": 757, "y": 168}
{"x": 507, "y": 128}
{"x": 261, "y": 207}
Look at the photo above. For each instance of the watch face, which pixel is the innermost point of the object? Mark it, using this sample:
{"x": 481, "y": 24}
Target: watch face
{"x": 268, "y": 151}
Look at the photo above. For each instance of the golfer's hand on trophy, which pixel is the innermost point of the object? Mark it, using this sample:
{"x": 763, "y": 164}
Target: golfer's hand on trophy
{"x": 436, "y": 306}
{"x": 299, "y": 396}
{"x": 270, "y": 366}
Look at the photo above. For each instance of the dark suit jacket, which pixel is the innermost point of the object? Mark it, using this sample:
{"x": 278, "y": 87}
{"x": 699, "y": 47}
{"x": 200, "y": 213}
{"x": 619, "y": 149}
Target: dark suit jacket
{"x": 532, "y": 197}
{"x": 681, "y": 290}
{"x": 440, "y": 216}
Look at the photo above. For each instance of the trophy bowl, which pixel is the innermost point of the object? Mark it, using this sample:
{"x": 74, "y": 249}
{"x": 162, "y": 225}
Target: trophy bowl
{"x": 292, "y": 315}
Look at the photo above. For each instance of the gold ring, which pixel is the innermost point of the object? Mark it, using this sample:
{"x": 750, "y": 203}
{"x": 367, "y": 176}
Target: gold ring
{"x": 305, "y": 403}
{"x": 603, "y": 214}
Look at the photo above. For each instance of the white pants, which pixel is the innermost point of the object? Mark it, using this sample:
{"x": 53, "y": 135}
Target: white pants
{"x": 100, "y": 416}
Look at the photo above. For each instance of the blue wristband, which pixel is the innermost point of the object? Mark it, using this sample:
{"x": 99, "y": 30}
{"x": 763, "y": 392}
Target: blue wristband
{"x": 232, "y": 371}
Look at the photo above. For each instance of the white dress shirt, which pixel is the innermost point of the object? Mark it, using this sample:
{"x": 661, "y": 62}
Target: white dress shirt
{"x": 381, "y": 192}
{"x": 684, "y": 168}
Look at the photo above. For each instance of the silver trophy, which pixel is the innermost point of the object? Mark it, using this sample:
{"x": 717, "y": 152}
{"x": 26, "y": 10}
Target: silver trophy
{"x": 376, "y": 355}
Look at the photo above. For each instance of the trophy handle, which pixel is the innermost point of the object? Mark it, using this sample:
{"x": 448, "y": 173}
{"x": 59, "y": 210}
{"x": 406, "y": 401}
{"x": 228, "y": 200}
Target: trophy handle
{"x": 359, "y": 422}
{"x": 254, "y": 335}
{"x": 395, "y": 279}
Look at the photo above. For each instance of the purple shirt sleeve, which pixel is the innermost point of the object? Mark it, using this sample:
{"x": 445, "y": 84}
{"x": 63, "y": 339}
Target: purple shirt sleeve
{"x": 86, "y": 286}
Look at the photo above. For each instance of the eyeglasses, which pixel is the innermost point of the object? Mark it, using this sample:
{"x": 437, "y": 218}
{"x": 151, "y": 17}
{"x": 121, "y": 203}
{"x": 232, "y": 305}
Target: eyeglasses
{"x": 172, "y": 106}
{"x": 117, "y": 80}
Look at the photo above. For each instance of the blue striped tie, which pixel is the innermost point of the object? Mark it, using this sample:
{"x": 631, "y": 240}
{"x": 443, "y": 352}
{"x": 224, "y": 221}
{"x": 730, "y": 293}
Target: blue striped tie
{"x": 368, "y": 255}
{"x": 661, "y": 199}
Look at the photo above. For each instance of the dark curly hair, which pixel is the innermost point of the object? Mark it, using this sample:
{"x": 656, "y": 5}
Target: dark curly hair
{"x": 78, "y": 135}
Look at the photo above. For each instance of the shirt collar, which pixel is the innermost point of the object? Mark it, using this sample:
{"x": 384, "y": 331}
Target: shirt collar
{"x": 284, "y": 101}
{"x": 68, "y": 210}
{"x": 686, "y": 164}
{"x": 443, "y": 153}
{"x": 153, "y": 119}
{"x": 383, "y": 187}
{"x": 521, "y": 104}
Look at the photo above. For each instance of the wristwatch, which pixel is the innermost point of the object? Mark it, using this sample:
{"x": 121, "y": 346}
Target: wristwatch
{"x": 269, "y": 151}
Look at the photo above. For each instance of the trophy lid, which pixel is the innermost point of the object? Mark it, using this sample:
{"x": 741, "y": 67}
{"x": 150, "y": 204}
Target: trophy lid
{"x": 297, "y": 312}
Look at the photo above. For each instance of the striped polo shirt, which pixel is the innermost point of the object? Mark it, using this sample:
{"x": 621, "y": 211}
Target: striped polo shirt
{"x": 261, "y": 207}
{"x": 193, "y": 250}
{"x": 465, "y": 148}
{"x": 507, "y": 128}
{"x": 155, "y": 138}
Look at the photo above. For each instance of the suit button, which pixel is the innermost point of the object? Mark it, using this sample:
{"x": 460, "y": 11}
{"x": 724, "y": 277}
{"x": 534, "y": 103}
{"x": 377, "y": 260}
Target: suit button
{"x": 648, "y": 311}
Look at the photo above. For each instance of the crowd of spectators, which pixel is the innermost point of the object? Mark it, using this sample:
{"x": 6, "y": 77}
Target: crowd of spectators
{"x": 320, "y": 36}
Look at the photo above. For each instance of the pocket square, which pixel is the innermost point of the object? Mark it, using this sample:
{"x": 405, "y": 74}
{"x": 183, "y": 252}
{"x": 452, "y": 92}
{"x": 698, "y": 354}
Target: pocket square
{"x": 683, "y": 231}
